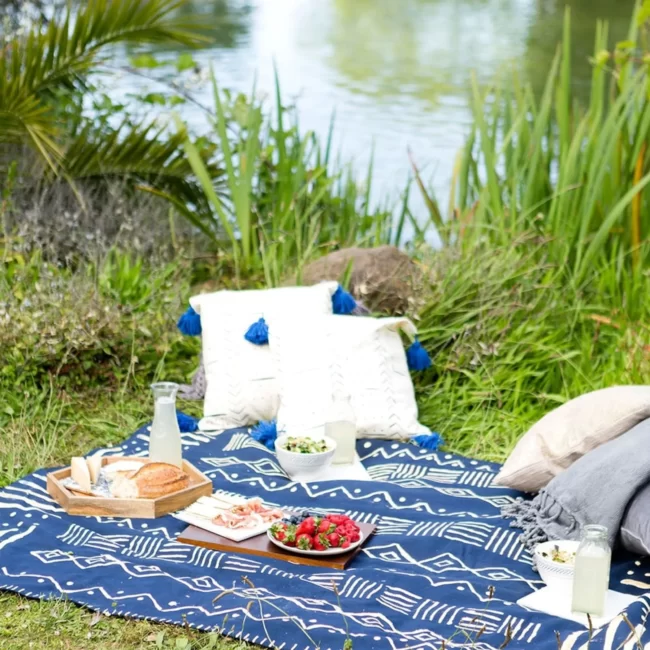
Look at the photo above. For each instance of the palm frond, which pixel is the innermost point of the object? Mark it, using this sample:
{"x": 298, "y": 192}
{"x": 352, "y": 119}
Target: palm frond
{"x": 46, "y": 59}
{"x": 142, "y": 154}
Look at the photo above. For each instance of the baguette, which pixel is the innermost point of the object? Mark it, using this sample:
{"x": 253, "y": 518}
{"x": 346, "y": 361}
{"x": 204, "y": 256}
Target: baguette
{"x": 150, "y": 482}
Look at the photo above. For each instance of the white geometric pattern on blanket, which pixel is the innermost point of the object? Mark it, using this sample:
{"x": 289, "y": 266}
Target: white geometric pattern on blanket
{"x": 392, "y": 597}
{"x": 28, "y": 496}
{"x": 415, "y": 574}
{"x": 474, "y": 533}
{"x": 402, "y": 473}
{"x": 242, "y": 441}
{"x": 12, "y": 535}
{"x": 79, "y": 536}
{"x": 263, "y": 466}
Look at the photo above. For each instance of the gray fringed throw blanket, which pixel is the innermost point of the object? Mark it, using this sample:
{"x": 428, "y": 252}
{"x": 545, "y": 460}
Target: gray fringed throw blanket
{"x": 596, "y": 489}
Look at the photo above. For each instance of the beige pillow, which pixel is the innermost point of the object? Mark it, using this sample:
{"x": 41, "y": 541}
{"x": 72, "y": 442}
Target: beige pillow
{"x": 570, "y": 431}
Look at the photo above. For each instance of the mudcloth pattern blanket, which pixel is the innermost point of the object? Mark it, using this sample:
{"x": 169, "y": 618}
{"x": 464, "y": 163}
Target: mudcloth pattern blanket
{"x": 442, "y": 565}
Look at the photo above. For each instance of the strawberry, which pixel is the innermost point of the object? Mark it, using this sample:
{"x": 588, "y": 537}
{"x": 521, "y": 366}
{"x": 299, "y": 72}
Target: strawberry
{"x": 309, "y": 526}
{"x": 335, "y": 540}
{"x": 304, "y": 542}
{"x": 320, "y": 543}
{"x": 289, "y": 536}
{"x": 341, "y": 530}
{"x": 355, "y": 537}
{"x": 326, "y": 527}
{"x": 277, "y": 530}
{"x": 345, "y": 544}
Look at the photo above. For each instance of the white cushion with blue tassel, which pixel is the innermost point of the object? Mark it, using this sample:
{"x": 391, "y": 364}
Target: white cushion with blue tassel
{"x": 240, "y": 377}
{"x": 360, "y": 358}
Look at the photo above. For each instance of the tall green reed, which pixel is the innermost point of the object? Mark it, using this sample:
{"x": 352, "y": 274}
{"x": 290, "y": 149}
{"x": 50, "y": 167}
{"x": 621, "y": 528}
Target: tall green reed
{"x": 572, "y": 174}
{"x": 287, "y": 201}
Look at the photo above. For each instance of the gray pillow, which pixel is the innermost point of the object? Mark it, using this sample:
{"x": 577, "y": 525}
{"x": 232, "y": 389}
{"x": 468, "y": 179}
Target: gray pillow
{"x": 635, "y": 529}
{"x": 597, "y": 489}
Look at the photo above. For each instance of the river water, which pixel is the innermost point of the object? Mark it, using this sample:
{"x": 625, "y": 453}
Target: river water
{"x": 397, "y": 72}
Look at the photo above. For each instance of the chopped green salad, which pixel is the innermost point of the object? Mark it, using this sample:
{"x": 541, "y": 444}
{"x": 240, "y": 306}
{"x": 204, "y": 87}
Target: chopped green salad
{"x": 305, "y": 445}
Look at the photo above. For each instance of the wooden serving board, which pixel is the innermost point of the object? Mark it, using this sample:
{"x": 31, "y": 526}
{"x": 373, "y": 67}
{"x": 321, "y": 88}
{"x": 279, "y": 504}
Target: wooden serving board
{"x": 93, "y": 506}
{"x": 263, "y": 547}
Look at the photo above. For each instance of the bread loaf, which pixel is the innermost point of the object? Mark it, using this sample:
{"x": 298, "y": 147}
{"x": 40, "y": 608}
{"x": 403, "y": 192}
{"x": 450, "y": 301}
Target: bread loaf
{"x": 150, "y": 482}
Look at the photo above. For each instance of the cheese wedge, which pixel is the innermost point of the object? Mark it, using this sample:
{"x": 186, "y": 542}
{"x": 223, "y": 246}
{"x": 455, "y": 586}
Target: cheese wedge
{"x": 94, "y": 466}
{"x": 80, "y": 473}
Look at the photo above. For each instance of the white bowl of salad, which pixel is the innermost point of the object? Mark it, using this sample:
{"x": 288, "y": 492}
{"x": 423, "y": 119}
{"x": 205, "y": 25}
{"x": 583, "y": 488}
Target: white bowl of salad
{"x": 555, "y": 562}
{"x": 302, "y": 457}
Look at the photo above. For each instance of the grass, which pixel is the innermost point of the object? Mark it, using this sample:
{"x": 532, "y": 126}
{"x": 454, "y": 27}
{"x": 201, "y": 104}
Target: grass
{"x": 509, "y": 342}
{"x": 287, "y": 201}
{"x": 69, "y": 627}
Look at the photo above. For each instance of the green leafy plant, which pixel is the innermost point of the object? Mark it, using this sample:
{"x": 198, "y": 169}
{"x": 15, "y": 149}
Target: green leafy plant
{"x": 37, "y": 65}
{"x": 125, "y": 278}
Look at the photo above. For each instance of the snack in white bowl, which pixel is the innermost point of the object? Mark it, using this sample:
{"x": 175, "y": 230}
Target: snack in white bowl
{"x": 555, "y": 561}
{"x": 303, "y": 457}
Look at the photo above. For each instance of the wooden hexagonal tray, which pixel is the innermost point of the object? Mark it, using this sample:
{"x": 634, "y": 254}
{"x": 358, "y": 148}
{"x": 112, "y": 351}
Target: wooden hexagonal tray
{"x": 90, "y": 506}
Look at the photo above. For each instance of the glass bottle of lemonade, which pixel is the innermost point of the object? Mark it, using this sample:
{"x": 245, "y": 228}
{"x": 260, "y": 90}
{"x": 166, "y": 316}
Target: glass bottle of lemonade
{"x": 165, "y": 436}
{"x": 591, "y": 572}
{"x": 342, "y": 428}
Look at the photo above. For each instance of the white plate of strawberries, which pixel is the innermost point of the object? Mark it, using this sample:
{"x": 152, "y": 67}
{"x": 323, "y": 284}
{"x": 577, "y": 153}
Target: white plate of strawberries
{"x": 312, "y": 534}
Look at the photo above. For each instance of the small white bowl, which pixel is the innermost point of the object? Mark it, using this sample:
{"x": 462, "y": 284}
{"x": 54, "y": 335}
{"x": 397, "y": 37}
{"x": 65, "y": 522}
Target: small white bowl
{"x": 552, "y": 573}
{"x": 301, "y": 467}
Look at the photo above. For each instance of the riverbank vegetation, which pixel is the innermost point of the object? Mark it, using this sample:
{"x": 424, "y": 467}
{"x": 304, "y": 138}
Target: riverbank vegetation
{"x": 538, "y": 293}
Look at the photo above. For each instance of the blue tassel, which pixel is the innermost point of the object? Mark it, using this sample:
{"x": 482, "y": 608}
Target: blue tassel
{"x": 266, "y": 433}
{"x": 190, "y": 323}
{"x": 429, "y": 441}
{"x": 417, "y": 357}
{"x": 258, "y": 333}
{"x": 186, "y": 423}
{"x": 342, "y": 302}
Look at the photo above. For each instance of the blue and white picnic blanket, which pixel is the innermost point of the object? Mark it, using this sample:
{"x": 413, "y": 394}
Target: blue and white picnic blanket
{"x": 443, "y": 564}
